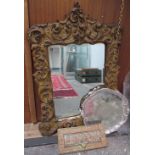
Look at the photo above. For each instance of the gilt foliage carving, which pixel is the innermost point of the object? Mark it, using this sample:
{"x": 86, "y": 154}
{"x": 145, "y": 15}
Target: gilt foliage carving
{"x": 77, "y": 28}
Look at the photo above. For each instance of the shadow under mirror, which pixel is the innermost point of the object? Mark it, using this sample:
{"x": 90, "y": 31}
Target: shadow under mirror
{"x": 75, "y": 69}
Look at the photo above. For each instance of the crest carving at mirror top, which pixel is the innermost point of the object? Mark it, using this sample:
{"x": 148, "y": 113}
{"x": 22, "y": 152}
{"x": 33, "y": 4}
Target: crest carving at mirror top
{"x": 77, "y": 28}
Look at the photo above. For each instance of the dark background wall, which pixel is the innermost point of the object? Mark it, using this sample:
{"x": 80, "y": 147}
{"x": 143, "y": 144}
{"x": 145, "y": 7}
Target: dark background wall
{"x": 105, "y": 11}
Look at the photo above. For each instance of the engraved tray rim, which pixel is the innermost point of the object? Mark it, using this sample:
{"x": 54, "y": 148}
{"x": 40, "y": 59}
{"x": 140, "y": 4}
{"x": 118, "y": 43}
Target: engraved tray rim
{"x": 125, "y": 106}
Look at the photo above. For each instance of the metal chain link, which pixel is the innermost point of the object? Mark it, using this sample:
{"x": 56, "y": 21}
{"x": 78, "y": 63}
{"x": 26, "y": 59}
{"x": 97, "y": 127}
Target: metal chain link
{"x": 120, "y": 17}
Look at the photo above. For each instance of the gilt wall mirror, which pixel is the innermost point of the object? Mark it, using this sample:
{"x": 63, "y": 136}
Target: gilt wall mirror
{"x": 60, "y": 52}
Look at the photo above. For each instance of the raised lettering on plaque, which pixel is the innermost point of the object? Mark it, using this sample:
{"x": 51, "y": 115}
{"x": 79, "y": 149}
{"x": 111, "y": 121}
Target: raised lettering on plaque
{"x": 81, "y": 138}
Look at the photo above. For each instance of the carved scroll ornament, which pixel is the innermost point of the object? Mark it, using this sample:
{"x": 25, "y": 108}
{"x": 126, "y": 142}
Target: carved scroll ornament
{"x": 77, "y": 28}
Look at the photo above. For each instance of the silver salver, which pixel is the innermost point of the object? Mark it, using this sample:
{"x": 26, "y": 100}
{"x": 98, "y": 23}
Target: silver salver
{"x": 106, "y": 106}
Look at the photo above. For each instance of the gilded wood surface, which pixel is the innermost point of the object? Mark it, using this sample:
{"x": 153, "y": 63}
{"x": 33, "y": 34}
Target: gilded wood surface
{"x": 77, "y": 28}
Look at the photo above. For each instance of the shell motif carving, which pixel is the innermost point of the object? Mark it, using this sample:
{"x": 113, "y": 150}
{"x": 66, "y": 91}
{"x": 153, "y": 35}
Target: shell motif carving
{"x": 77, "y": 28}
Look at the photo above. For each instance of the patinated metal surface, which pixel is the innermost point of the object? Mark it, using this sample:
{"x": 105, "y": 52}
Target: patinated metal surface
{"x": 77, "y": 28}
{"x": 105, "y": 105}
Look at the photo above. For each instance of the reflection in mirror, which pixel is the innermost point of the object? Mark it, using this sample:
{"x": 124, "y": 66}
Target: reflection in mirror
{"x": 74, "y": 70}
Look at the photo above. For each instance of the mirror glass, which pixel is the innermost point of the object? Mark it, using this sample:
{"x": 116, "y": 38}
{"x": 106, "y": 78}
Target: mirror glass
{"x": 75, "y": 69}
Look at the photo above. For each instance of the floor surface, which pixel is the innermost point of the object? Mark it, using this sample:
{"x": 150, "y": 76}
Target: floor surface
{"x": 65, "y": 107}
{"x": 118, "y": 144}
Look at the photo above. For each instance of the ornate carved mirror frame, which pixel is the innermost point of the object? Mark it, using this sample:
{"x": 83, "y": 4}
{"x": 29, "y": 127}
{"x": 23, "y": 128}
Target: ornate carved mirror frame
{"x": 77, "y": 28}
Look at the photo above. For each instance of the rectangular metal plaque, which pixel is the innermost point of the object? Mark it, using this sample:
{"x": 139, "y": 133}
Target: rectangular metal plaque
{"x": 81, "y": 138}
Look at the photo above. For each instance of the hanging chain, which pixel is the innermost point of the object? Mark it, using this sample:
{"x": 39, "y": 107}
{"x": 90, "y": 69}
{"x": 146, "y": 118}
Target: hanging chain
{"x": 120, "y": 18}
